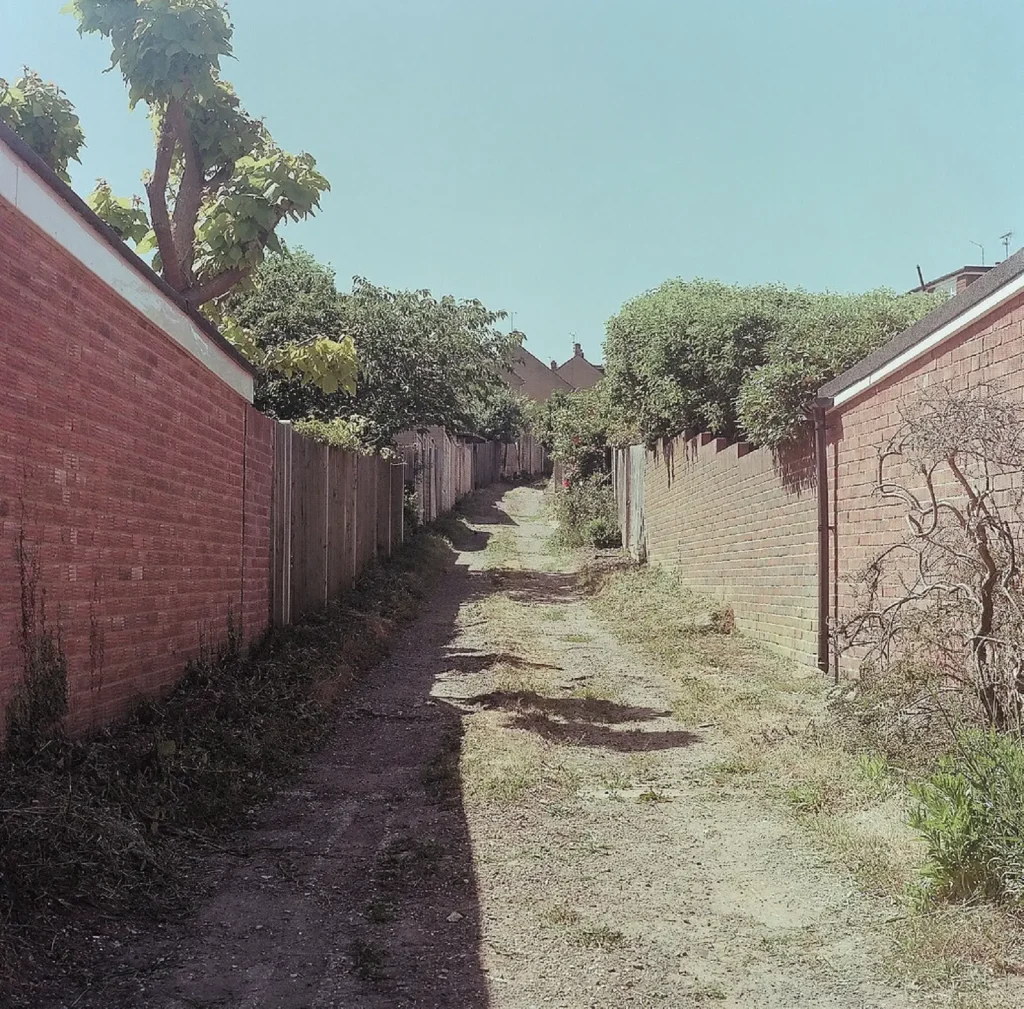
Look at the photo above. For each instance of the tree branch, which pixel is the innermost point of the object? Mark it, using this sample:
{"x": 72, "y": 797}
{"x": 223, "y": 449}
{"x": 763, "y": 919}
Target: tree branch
{"x": 156, "y": 190}
{"x": 190, "y": 192}
{"x": 216, "y": 286}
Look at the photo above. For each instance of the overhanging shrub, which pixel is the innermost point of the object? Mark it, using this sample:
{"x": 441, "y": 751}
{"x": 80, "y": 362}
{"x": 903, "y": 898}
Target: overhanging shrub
{"x": 739, "y": 361}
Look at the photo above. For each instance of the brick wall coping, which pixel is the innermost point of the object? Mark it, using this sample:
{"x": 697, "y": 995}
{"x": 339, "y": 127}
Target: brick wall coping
{"x": 985, "y": 294}
{"x": 30, "y": 186}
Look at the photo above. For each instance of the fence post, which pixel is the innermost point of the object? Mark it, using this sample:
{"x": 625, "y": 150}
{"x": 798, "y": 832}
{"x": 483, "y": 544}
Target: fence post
{"x": 281, "y": 526}
{"x": 341, "y": 511}
{"x": 397, "y": 505}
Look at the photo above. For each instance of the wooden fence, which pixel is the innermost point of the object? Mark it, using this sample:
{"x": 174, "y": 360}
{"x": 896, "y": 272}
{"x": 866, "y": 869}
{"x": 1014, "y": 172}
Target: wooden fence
{"x": 442, "y": 469}
{"x": 334, "y": 514}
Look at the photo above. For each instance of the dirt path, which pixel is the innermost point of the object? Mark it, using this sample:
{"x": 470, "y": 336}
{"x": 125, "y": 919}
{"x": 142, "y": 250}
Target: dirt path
{"x": 508, "y": 816}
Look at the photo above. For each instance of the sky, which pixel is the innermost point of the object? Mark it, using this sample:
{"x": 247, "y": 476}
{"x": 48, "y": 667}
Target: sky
{"x": 555, "y": 158}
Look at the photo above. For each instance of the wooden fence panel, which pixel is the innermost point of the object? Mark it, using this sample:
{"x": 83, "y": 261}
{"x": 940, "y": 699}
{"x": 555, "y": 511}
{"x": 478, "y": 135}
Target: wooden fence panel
{"x": 309, "y": 526}
{"x": 397, "y": 506}
{"x": 340, "y": 534}
{"x": 366, "y": 513}
{"x": 383, "y": 531}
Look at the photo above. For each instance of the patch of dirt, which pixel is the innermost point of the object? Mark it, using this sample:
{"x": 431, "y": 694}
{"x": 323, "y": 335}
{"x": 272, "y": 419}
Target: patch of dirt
{"x": 508, "y": 815}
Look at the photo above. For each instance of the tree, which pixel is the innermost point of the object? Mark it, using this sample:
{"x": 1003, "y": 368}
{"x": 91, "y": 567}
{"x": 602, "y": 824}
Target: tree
{"x": 500, "y": 415}
{"x": 291, "y": 302}
{"x": 941, "y": 610}
{"x": 220, "y": 186}
{"x": 422, "y": 360}
{"x": 41, "y": 114}
{"x": 573, "y": 427}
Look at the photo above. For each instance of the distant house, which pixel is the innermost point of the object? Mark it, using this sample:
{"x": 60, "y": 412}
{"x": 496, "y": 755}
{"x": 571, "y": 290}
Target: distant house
{"x": 578, "y": 371}
{"x": 956, "y": 282}
{"x": 531, "y": 377}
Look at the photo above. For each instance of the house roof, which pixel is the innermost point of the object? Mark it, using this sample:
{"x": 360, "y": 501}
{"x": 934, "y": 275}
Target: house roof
{"x": 986, "y": 293}
{"x": 78, "y": 206}
{"x": 954, "y": 273}
{"x": 534, "y": 374}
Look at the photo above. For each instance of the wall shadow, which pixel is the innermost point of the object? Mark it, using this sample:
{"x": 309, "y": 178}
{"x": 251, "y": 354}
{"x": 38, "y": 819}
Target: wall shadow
{"x": 356, "y": 886}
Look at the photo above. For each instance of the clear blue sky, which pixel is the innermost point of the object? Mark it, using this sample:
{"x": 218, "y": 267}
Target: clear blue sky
{"x": 556, "y": 157}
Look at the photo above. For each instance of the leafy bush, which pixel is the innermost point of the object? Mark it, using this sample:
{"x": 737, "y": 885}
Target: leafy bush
{"x": 676, "y": 356}
{"x": 970, "y": 812}
{"x": 827, "y": 336}
{"x": 700, "y": 355}
{"x": 573, "y": 428}
{"x": 586, "y": 513}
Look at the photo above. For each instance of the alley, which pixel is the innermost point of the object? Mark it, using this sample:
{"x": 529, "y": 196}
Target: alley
{"x": 508, "y": 815}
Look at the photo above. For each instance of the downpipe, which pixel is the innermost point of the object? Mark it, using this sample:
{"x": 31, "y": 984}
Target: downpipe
{"x": 821, "y": 466}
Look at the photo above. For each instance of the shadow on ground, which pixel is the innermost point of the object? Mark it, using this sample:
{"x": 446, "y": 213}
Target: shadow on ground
{"x": 356, "y": 886}
{"x": 582, "y": 721}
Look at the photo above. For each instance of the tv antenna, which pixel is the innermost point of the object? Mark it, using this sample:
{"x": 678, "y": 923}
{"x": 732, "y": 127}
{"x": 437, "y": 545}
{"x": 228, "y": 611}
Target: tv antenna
{"x": 1005, "y": 239}
{"x": 982, "y": 247}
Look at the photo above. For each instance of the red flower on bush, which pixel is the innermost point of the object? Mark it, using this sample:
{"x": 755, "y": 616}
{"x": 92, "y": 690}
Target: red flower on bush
{"x": 565, "y": 482}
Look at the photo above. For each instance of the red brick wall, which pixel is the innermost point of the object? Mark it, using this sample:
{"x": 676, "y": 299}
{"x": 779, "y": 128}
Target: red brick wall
{"x": 989, "y": 351}
{"x": 743, "y": 528}
{"x": 134, "y": 474}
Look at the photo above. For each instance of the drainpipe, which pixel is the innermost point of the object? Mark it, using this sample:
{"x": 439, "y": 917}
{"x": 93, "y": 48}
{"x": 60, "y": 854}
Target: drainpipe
{"x": 821, "y": 461}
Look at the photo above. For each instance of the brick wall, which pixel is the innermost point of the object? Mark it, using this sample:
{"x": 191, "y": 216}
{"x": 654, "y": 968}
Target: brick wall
{"x": 134, "y": 474}
{"x": 740, "y": 525}
{"x": 991, "y": 350}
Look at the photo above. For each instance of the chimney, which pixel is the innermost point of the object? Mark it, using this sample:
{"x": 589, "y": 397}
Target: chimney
{"x": 577, "y": 350}
{"x": 554, "y": 366}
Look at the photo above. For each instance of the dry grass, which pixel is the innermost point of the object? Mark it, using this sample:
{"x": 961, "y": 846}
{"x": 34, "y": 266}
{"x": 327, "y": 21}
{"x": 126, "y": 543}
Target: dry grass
{"x": 505, "y": 766}
{"x": 787, "y": 742}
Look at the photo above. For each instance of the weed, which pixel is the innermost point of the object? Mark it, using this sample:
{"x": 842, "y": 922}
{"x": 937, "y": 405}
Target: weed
{"x": 587, "y": 514}
{"x": 970, "y": 812}
{"x": 598, "y": 937}
{"x": 710, "y": 992}
{"x": 731, "y": 767}
{"x": 653, "y": 795}
{"x": 562, "y": 914}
